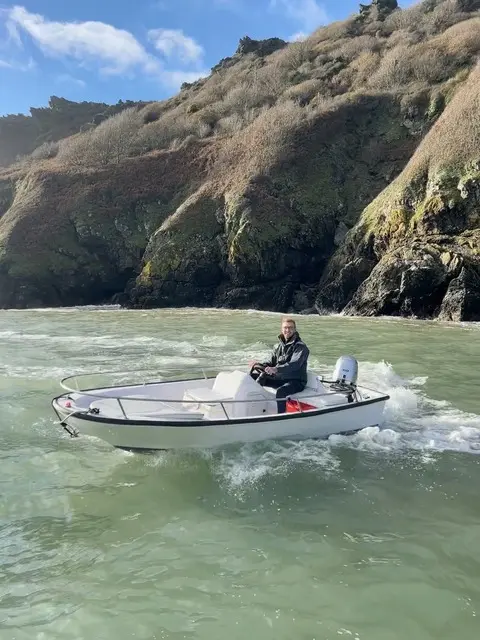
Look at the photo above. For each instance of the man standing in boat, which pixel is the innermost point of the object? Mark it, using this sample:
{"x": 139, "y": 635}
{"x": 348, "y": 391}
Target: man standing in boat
{"x": 286, "y": 370}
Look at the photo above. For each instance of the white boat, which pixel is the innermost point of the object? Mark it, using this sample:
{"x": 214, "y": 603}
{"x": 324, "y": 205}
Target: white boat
{"x": 216, "y": 410}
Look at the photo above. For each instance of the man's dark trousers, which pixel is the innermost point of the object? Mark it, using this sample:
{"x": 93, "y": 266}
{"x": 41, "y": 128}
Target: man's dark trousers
{"x": 284, "y": 388}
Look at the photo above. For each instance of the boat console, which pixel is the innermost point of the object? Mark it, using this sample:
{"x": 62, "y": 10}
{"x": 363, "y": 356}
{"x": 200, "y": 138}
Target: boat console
{"x": 236, "y": 395}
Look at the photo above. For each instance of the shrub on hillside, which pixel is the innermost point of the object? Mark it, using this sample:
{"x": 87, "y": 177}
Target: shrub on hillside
{"x": 151, "y": 113}
{"x": 270, "y": 81}
{"x": 173, "y": 126}
{"x": 461, "y": 41}
{"x": 230, "y": 124}
{"x": 408, "y": 19}
{"x": 392, "y": 70}
{"x": 267, "y": 141}
{"x": 336, "y": 30}
{"x": 293, "y": 56}
{"x": 351, "y": 49}
{"x": 442, "y": 17}
{"x": 361, "y": 70}
{"x": 45, "y": 151}
{"x": 236, "y": 122}
{"x": 242, "y": 97}
{"x": 428, "y": 62}
{"x": 443, "y": 147}
{"x": 108, "y": 143}
{"x": 304, "y": 92}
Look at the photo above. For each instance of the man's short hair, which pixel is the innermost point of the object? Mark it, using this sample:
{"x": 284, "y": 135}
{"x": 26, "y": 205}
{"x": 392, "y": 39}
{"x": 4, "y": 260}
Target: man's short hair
{"x": 290, "y": 321}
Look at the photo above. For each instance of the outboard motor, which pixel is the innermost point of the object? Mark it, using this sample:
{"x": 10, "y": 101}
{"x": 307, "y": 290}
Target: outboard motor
{"x": 346, "y": 371}
{"x": 345, "y": 376}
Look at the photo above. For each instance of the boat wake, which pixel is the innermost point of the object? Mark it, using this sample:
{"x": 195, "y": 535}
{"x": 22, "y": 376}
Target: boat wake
{"x": 415, "y": 425}
{"x": 414, "y": 420}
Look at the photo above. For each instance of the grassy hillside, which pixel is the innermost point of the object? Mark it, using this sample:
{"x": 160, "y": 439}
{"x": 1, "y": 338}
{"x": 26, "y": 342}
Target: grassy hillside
{"x": 289, "y": 166}
{"x": 38, "y": 133}
{"x": 422, "y": 234}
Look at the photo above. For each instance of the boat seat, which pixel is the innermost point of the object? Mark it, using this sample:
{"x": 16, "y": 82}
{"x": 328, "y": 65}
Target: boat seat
{"x": 313, "y": 386}
{"x": 234, "y": 394}
{"x": 203, "y": 394}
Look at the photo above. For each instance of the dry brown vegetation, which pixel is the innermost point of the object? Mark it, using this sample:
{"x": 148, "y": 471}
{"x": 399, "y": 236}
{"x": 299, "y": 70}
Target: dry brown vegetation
{"x": 254, "y": 149}
{"x": 258, "y": 102}
{"x": 108, "y": 143}
{"x": 442, "y": 147}
{"x": 442, "y": 156}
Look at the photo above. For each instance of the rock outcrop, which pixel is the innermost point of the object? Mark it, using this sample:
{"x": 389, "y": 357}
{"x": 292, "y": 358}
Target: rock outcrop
{"x": 378, "y": 9}
{"x": 261, "y": 48}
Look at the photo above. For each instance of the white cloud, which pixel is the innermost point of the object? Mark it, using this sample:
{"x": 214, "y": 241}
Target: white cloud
{"x": 310, "y": 14}
{"x": 116, "y": 50}
{"x": 298, "y": 37}
{"x": 173, "y": 43}
{"x": 66, "y": 78}
{"x": 18, "y": 66}
{"x": 175, "y": 79}
{"x": 103, "y": 47}
{"x": 13, "y": 34}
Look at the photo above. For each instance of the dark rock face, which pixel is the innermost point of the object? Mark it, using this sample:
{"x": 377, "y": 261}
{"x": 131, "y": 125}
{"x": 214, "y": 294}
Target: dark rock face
{"x": 276, "y": 297}
{"x": 432, "y": 273}
{"x": 378, "y": 9}
{"x": 261, "y": 47}
{"x": 247, "y": 45}
{"x": 266, "y": 244}
{"x": 335, "y": 294}
{"x": 385, "y": 5}
{"x": 405, "y": 282}
{"x": 462, "y": 299}
{"x": 468, "y": 6}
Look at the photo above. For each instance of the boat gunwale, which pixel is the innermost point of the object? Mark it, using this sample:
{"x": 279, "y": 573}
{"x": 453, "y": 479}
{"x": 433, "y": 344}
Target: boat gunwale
{"x": 87, "y": 392}
{"x": 83, "y": 415}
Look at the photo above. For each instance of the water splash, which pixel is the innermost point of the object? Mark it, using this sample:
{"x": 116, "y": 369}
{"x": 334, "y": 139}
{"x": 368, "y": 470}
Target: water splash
{"x": 413, "y": 423}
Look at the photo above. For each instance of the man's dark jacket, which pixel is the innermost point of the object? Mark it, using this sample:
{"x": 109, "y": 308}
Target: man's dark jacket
{"x": 290, "y": 358}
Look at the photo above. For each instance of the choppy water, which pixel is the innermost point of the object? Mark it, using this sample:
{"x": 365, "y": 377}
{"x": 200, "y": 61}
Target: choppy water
{"x": 371, "y": 537}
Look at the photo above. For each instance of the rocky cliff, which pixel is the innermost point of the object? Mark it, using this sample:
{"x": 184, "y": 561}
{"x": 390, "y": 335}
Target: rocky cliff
{"x": 338, "y": 174}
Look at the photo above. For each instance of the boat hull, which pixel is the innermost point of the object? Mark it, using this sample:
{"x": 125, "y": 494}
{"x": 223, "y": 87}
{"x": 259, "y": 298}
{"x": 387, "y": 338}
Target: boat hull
{"x": 151, "y": 435}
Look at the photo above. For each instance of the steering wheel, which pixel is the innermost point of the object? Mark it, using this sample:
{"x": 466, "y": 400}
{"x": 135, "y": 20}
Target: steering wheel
{"x": 258, "y": 367}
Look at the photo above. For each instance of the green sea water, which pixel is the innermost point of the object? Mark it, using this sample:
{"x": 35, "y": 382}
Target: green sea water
{"x": 374, "y": 536}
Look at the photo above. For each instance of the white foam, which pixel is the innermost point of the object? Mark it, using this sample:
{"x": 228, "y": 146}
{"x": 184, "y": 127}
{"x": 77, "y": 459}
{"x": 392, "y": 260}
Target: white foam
{"x": 250, "y": 464}
{"x": 413, "y": 422}
{"x": 107, "y": 341}
{"x": 216, "y": 341}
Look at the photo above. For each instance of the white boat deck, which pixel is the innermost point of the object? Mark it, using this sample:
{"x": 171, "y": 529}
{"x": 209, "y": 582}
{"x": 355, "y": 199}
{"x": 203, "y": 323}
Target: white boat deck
{"x": 229, "y": 395}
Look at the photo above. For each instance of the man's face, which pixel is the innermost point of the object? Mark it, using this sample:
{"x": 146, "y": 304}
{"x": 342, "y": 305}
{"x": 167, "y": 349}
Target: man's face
{"x": 288, "y": 329}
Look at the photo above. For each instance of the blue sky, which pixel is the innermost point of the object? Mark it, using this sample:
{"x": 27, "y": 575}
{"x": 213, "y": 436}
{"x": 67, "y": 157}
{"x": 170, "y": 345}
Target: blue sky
{"x": 107, "y": 50}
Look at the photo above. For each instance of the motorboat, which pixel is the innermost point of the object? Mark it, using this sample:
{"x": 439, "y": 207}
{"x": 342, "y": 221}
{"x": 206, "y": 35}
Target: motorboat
{"x": 209, "y": 410}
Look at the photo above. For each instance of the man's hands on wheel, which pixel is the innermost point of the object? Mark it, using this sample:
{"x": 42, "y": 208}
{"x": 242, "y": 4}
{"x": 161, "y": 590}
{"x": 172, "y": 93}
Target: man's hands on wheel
{"x": 253, "y": 364}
